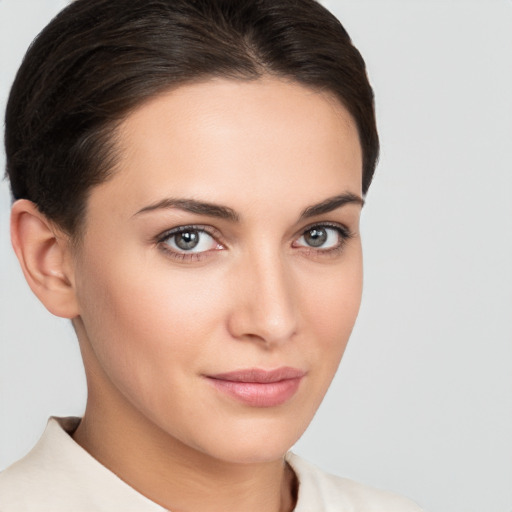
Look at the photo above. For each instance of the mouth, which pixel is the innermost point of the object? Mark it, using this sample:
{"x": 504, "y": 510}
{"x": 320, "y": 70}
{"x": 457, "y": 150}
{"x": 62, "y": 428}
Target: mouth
{"x": 258, "y": 387}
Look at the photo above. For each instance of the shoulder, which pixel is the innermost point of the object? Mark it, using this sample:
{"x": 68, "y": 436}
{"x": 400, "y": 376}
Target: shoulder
{"x": 57, "y": 475}
{"x": 44, "y": 478}
{"x": 322, "y": 492}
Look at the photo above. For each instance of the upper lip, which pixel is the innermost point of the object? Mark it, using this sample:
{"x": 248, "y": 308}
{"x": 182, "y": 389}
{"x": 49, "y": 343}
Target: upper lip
{"x": 259, "y": 375}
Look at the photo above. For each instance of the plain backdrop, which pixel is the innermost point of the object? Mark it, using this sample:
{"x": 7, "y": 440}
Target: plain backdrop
{"x": 422, "y": 403}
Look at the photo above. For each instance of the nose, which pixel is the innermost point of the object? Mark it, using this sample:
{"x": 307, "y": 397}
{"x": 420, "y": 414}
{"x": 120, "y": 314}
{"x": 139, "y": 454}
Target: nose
{"x": 264, "y": 301}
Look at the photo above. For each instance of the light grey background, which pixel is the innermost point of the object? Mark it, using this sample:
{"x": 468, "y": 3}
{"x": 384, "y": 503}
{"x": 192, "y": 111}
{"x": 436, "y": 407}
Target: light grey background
{"x": 422, "y": 404}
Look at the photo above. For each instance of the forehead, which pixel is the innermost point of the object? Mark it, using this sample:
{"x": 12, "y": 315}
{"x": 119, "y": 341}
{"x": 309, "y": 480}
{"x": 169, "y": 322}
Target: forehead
{"x": 222, "y": 139}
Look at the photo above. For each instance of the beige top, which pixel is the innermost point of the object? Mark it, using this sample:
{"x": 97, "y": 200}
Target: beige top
{"x": 58, "y": 475}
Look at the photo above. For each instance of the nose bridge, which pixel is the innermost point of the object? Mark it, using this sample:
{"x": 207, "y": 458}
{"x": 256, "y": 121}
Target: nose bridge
{"x": 266, "y": 306}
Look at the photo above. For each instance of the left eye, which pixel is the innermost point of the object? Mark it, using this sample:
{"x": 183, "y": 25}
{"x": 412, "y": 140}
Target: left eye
{"x": 190, "y": 240}
{"x": 321, "y": 237}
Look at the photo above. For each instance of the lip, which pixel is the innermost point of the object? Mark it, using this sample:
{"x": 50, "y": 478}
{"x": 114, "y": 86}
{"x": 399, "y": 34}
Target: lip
{"x": 258, "y": 387}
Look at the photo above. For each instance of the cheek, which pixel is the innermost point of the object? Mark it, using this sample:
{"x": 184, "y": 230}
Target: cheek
{"x": 144, "y": 321}
{"x": 334, "y": 297}
{"x": 331, "y": 305}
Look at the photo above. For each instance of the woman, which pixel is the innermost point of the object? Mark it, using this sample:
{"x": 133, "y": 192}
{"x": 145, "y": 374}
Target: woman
{"x": 189, "y": 177}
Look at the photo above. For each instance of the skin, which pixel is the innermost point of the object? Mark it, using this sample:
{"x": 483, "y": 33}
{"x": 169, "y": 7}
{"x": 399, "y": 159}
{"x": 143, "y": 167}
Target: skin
{"x": 154, "y": 323}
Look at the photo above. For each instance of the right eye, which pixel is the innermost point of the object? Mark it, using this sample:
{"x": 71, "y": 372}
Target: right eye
{"x": 188, "y": 240}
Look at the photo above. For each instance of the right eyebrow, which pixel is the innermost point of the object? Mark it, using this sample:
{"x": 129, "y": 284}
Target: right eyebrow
{"x": 193, "y": 206}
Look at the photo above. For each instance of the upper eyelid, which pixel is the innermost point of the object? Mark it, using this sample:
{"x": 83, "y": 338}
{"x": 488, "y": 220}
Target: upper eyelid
{"x": 327, "y": 224}
{"x": 209, "y": 230}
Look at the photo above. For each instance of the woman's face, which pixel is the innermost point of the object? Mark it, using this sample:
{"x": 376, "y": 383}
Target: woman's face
{"x": 220, "y": 273}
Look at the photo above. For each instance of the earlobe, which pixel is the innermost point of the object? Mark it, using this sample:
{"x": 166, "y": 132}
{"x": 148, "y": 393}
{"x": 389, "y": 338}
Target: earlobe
{"x": 45, "y": 257}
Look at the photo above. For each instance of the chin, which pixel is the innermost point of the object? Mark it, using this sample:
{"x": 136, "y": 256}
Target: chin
{"x": 254, "y": 442}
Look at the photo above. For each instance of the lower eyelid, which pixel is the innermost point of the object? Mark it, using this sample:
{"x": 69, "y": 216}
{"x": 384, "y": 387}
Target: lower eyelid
{"x": 163, "y": 243}
{"x": 184, "y": 255}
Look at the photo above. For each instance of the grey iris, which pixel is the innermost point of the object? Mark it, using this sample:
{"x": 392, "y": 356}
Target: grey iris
{"x": 315, "y": 237}
{"x": 187, "y": 240}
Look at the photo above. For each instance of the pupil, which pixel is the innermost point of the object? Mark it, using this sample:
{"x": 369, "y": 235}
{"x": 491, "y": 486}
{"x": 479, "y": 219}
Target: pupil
{"x": 187, "y": 240}
{"x": 315, "y": 237}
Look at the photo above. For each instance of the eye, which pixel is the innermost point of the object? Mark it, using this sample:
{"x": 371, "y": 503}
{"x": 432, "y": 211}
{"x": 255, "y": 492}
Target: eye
{"x": 323, "y": 237}
{"x": 188, "y": 240}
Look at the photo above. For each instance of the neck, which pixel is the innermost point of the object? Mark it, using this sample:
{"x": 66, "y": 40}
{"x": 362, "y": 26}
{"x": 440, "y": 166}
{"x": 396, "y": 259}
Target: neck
{"x": 171, "y": 473}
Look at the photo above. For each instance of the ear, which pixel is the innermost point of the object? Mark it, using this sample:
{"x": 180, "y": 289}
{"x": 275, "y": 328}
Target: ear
{"x": 44, "y": 253}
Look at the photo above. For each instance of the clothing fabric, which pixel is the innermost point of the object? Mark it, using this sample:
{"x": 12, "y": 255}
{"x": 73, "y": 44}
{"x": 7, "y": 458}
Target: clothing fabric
{"x": 58, "y": 475}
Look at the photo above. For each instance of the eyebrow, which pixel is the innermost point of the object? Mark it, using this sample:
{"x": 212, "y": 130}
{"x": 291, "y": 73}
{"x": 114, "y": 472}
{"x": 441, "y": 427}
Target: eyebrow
{"x": 193, "y": 206}
{"x": 226, "y": 213}
{"x": 330, "y": 204}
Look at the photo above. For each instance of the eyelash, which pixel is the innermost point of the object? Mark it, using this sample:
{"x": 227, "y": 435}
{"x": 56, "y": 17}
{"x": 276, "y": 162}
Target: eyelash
{"x": 186, "y": 256}
{"x": 343, "y": 232}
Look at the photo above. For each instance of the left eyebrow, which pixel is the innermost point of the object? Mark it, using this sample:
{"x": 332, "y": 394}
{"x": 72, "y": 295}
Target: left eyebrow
{"x": 330, "y": 204}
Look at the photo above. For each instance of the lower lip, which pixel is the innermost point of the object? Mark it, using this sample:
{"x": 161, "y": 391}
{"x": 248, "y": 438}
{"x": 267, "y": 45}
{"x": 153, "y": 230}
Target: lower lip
{"x": 257, "y": 394}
